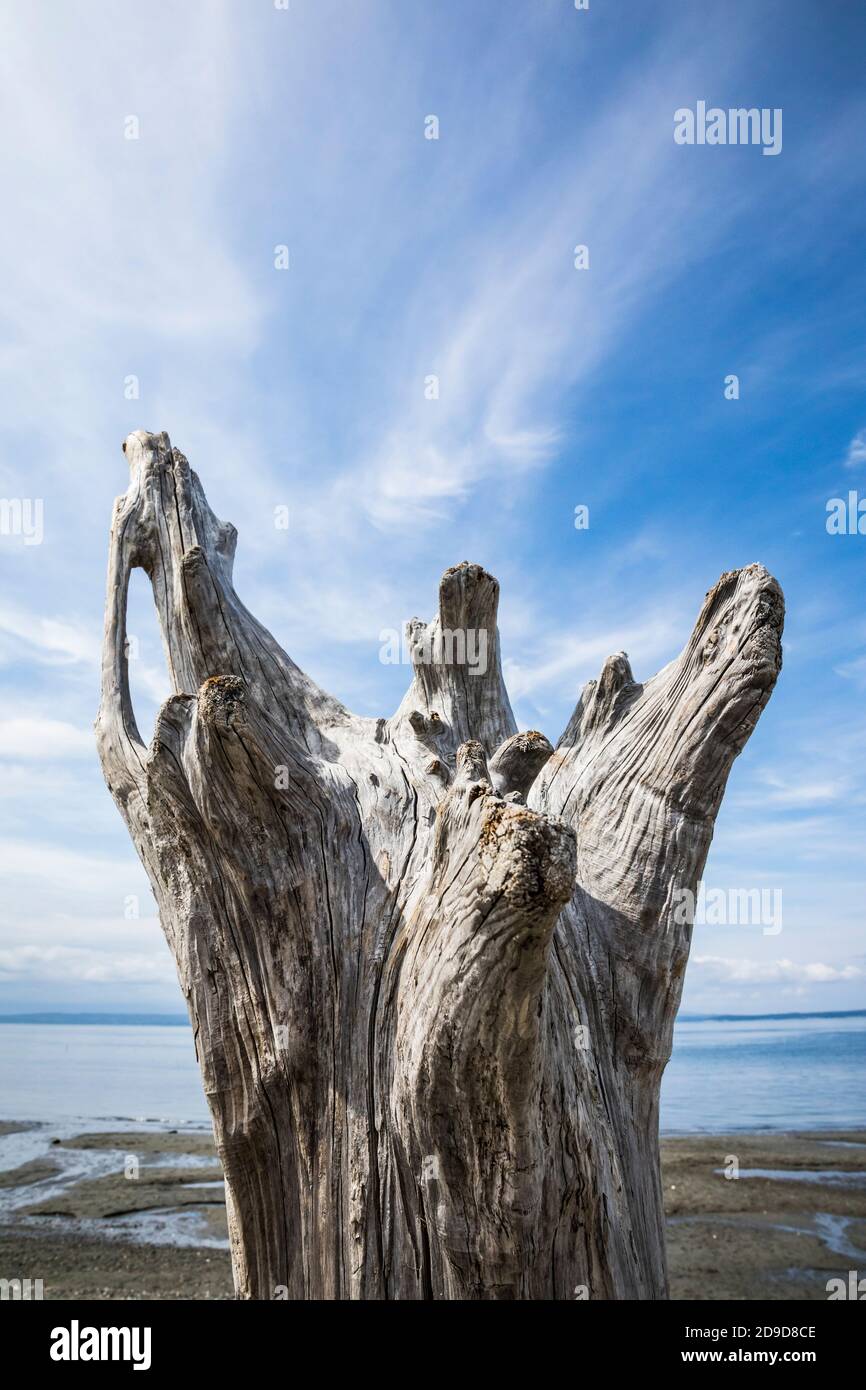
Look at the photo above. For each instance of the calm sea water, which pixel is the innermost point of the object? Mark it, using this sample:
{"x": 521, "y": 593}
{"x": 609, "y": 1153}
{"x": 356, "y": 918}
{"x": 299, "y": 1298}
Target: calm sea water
{"x": 802, "y": 1073}
{"x": 768, "y": 1073}
{"x": 60, "y": 1071}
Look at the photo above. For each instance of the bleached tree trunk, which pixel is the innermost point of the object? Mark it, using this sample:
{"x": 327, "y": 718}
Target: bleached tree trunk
{"x": 432, "y": 964}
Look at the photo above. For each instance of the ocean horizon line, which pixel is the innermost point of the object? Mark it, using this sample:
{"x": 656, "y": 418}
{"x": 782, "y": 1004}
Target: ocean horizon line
{"x": 156, "y": 1020}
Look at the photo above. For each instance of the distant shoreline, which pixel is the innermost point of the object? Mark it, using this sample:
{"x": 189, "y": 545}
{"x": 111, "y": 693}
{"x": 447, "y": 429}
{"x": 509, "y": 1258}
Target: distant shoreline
{"x": 176, "y": 1020}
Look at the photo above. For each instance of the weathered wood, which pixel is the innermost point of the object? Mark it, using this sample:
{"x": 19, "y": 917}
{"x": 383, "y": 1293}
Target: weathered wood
{"x": 432, "y": 964}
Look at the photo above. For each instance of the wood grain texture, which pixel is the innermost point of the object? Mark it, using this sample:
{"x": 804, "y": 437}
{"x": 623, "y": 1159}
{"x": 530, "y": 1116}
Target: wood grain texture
{"x": 432, "y": 964}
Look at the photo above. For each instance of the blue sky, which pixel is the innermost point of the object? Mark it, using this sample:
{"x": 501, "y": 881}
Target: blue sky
{"x": 305, "y": 388}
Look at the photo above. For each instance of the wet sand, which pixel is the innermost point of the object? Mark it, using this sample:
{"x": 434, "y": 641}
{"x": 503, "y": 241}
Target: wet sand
{"x": 108, "y": 1229}
{"x": 93, "y": 1231}
{"x": 754, "y": 1237}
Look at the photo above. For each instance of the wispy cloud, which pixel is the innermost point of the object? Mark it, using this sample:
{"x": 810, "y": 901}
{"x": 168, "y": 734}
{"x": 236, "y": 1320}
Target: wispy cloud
{"x": 63, "y": 877}
{"x": 855, "y": 456}
{"x": 58, "y": 963}
{"x": 49, "y": 640}
{"x": 515, "y": 327}
{"x": 854, "y": 670}
{"x": 561, "y": 660}
{"x": 793, "y": 792}
{"x": 44, "y": 739}
{"x": 721, "y": 970}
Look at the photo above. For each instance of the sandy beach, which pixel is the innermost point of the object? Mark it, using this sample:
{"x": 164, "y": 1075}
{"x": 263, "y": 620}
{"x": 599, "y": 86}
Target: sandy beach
{"x": 140, "y": 1214}
{"x": 793, "y": 1218}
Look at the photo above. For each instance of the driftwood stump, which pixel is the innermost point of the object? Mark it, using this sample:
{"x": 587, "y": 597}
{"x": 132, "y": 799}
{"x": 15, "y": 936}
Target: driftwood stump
{"x": 432, "y": 964}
